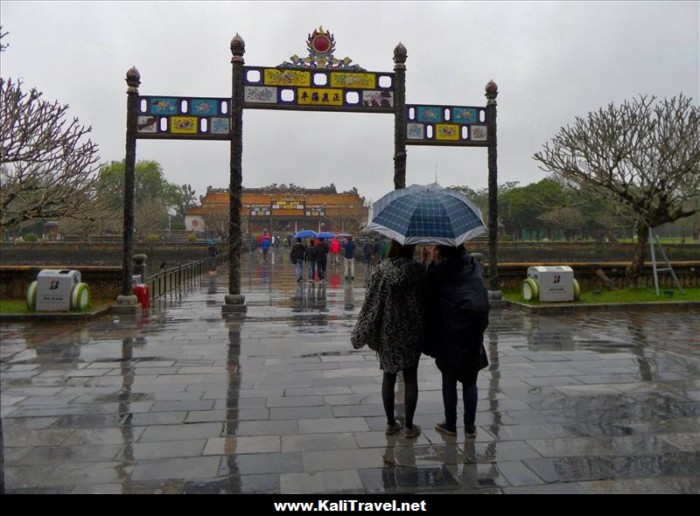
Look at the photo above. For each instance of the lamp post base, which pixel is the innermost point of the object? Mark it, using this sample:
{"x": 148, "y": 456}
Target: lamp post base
{"x": 127, "y": 305}
{"x": 234, "y": 304}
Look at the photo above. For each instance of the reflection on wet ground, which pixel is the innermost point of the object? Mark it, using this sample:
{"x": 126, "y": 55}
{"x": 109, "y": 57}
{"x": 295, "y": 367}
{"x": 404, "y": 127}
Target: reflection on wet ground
{"x": 183, "y": 400}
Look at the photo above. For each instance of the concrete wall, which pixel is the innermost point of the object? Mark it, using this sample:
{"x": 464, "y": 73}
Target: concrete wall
{"x": 105, "y": 281}
{"x": 85, "y": 253}
{"x": 100, "y": 264}
{"x": 554, "y": 252}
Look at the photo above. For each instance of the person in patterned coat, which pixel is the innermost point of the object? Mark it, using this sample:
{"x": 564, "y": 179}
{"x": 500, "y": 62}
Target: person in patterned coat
{"x": 391, "y": 322}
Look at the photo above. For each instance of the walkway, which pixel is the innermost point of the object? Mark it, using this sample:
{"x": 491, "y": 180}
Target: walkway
{"x": 183, "y": 400}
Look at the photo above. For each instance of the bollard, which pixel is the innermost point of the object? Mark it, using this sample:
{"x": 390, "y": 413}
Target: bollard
{"x": 140, "y": 289}
{"x": 143, "y": 295}
{"x": 141, "y": 267}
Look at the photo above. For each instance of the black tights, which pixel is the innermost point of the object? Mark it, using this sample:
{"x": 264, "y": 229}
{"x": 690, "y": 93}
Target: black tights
{"x": 410, "y": 380}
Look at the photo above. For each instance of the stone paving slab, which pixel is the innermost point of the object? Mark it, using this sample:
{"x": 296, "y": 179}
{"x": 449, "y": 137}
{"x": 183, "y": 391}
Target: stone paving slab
{"x": 277, "y": 402}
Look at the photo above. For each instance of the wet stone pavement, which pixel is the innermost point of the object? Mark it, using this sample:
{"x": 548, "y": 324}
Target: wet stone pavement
{"x": 185, "y": 400}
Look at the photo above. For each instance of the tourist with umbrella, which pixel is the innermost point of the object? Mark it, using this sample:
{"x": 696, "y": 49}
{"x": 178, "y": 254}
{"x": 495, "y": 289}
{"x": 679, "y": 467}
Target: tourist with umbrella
{"x": 396, "y": 326}
{"x": 310, "y": 259}
{"x": 322, "y": 250}
{"x": 457, "y": 315}
{"x": 390, "y": 323}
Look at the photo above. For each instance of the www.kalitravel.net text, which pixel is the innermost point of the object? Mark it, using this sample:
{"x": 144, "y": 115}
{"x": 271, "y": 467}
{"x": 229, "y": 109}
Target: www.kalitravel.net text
{"x": 351, "y": 506}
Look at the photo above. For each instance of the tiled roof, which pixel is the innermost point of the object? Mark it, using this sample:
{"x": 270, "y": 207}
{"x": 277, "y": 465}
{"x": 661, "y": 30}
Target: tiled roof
{"x": 310, "y": 199}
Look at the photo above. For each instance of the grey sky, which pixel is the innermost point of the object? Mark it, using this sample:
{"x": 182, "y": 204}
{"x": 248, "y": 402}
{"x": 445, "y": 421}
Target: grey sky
{"x": 552, "y": 61}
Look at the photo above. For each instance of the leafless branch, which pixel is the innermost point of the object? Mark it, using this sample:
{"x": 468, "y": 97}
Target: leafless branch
{"x": 47, "y": 167}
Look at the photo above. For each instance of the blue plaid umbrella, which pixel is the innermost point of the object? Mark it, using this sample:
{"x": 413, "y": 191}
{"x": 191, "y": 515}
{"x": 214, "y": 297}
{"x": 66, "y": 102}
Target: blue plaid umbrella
{"x": 305, "y": 233}
{"x": 426, "y": 214}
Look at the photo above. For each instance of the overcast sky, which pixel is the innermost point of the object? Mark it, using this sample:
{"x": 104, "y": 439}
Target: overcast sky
{"x": 552, "y": 61}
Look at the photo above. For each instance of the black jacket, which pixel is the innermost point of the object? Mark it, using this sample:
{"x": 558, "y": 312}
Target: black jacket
{"x": 457, "y": 314}
{"x": 310, "y": 254}
{"x": 297, "y": 253}
{"x": 322, "y": 250}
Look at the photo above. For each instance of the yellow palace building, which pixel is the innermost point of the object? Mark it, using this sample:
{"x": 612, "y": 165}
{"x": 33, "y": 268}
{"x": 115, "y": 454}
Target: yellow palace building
{"x": 280, "y": 210}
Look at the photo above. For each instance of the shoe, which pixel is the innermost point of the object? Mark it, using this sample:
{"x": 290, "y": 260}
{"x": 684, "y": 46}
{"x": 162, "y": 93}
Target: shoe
{"x": 410, "y": 433}
{"x": 470, "y": 432}
{"x": 392, "y": 429}
{"x": 443, "y": 429}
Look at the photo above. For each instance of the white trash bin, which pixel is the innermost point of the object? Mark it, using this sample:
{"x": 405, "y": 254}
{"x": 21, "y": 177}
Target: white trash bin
{"x": 553, "y": 283}
{"x": 54, "y": 288}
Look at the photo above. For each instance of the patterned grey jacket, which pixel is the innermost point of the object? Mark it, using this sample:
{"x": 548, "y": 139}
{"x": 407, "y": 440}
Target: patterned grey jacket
{"x": 391, "y": 320}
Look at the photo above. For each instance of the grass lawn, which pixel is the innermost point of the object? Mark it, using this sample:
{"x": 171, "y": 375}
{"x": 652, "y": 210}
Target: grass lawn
{"x": 627, "y": 295}
{"x": 19, "y": 306}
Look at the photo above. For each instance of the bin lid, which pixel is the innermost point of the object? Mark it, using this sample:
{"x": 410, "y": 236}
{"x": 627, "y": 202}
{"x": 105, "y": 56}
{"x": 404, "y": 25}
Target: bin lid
{"x": 54, "y": 272}
{"x": 550, "y": 268}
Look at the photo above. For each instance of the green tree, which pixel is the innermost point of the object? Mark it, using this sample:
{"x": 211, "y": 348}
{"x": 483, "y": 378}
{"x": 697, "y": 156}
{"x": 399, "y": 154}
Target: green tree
{"x": 604, "y": 219}
{"x": 481, "y": 197}
{"x": 521, "y": 206}
{"x": 643, "y": 154}
{"x": 149, "y": 184}
{"x": 154, "y": 197}
{"x": 567, "y": 220}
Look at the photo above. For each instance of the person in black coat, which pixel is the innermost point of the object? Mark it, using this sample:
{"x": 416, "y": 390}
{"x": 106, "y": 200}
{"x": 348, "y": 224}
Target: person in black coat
{"x": 310, "y": 259}
{"x": 296, "y": 256}
{"x": 457, "y": 315}
{"x": 322, "y": 251}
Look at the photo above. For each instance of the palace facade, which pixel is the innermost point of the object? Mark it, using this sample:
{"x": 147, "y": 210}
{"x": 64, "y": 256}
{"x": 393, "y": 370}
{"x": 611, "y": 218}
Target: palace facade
{"x": 280, "y": 210}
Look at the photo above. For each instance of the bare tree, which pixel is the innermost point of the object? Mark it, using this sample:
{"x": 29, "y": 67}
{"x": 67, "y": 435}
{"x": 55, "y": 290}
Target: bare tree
{"x": 349, "y": 218}
{"x": 47, "y": 169}
{"x": 102, "y": 221}
{"x": 216, "y": 221}
{"x": 643, "y": 154}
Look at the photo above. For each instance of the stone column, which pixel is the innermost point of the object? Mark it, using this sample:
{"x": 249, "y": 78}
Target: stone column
{"x": 127, "y": 301}
{"x": 400, "y": 55}
{"x": 234, "y": 301}
{"x": 491, "y": 94}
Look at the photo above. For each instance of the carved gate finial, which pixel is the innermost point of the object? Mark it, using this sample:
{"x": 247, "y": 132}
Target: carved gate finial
{"x": 321, "y": 45}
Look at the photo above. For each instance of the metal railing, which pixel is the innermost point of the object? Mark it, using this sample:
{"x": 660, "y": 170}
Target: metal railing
{"x": 176, "y": 280}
